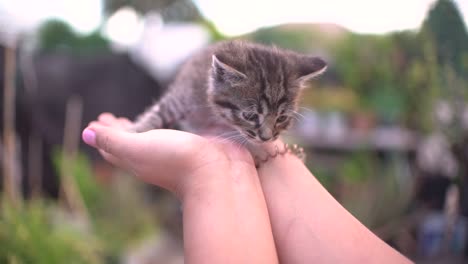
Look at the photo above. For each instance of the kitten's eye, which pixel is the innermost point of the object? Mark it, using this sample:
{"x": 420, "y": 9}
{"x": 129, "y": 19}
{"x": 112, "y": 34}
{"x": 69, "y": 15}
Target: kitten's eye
{"x": 250, "y": 116}
{"x": 281, "y": 118}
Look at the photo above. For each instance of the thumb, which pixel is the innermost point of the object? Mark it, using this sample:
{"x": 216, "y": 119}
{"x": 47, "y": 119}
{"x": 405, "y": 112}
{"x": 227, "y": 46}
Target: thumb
{"x": 110, "y": 140}
{"x": 137, "y": 152}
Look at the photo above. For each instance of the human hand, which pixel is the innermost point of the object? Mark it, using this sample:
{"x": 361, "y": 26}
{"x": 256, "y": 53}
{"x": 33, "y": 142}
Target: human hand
{"x": 168, "y": 158}
{"x": 215, "y": 180}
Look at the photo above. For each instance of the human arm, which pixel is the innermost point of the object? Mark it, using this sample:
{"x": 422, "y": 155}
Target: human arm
{"x": 309, "y": 225}
{"x": 224, "y": 211}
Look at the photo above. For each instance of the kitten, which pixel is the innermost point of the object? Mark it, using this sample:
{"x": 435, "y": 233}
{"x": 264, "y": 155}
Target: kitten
{"x": 247, "y": 92}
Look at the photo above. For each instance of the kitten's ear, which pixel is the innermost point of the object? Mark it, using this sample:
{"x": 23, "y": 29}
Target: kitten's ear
{"x": 309, "y": 68}
{"x": 224, "y": 73}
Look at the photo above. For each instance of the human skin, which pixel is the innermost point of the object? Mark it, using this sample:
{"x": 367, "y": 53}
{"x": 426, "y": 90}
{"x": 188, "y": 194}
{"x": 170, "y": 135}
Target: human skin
{"x": 231, "y": 210}
{"x": 309, "y": 225}
{"x": 225, "y": 217}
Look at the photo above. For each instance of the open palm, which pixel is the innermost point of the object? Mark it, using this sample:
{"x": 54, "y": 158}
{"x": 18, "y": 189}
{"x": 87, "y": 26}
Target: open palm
{"x": 163, "y": 157}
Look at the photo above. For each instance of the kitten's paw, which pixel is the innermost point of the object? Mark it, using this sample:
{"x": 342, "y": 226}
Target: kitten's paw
{"x": 109, "y": 120}
{"x": 131, "y": 129}
{"x": 263, "y": 153}
{"x": 138, "y": 128}
{"x": 259, "y": 153}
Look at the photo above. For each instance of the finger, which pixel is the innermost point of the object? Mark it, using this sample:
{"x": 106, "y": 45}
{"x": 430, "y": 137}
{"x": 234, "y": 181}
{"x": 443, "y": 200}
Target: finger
{"x": 112, "y": 159}
{"x": 90, "y": 139}
{"x": 147, "y": 154}
{"x": 116, "y": 146}
{"x": 95, "y": 122}
{"x": 108, "y": 139}
{"x": 124, "y": 122}
{"x": 98, "y": 122}
{"x": 106, "y": 118}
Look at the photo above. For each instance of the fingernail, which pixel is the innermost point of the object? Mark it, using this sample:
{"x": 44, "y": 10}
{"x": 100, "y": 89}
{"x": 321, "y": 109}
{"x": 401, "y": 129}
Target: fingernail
{"x": 89, "y": 137}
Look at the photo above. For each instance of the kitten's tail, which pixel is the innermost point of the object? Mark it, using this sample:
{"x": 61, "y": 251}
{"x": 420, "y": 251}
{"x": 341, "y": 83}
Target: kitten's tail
{"x": 164, "y": 114}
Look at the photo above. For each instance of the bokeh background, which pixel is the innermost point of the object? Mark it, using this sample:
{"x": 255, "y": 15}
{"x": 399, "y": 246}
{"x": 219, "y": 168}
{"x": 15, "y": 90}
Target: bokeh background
{"x": 386, "y": 128}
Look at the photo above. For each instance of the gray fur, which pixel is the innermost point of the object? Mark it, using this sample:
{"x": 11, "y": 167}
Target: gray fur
{"x": 235, "y": 86}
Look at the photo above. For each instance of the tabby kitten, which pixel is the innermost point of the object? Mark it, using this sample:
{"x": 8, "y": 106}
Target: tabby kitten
{"x": 245, "y": 91}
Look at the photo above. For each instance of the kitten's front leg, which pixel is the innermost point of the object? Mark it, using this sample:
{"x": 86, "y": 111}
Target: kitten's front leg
{"x": 148, "y": 120}
{"x": 163, "y": 114}
{"x": 265, "y": 151}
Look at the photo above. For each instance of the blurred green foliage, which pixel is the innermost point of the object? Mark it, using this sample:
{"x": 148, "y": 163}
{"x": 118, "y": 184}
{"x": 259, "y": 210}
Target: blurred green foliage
{"x": 34, "y": 233}
{"x": 283, "y": 38}
{"x": 301, "y": 37}
{"x": 56, "y": 35}
{"x": 42, "y": 231}
{"x": 215, "y": 34}
{"x": 397, "y": 76}
{"x": 375, "y": 190}
{"x": 445, "y": 25}
{"x": 118, "y": 210}
{"x": 358, "y": 167}
{"x": 170, "y": 10}
{"x": 89, "y": 189}
{"x": 140, "y": 5}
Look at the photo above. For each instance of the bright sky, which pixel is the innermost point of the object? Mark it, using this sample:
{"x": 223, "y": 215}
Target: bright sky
{"x": 83, "y": 15}
{"x": 364, "y": 16}
{"x": 241, "y": 16}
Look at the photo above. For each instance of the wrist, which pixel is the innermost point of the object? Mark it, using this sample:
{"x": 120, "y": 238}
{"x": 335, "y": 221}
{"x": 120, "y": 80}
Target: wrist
{"x": 214, "y": 176}
{"x": 281, "y": 150}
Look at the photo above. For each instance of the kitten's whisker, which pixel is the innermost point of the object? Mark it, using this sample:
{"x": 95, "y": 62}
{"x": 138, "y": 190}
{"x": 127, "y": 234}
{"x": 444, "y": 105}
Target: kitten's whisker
{"x": 237, "y": 139}
{"x": 220, "y": 139}
{"x": 299, "y": 114}
{"x": 244, "y": 143}
{"x": 227, "y": 133}
{"x": 296, "y": 118}
{"x": 296, "y": 113}
{"x": 234, "y": 138}
{"x": 241, "y": 142}
{"x": 227, "y": 136}
{"x": 307, "y": 109}
{"x": 231, "y": 138}
{"x": 224, "y": 140}
{"x": 238, "y": 144}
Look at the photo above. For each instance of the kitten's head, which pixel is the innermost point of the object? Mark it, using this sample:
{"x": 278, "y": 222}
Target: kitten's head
{"x": 256, "y": 89}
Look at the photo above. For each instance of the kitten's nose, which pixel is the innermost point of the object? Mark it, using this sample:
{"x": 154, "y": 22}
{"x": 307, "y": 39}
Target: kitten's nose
{"x": 265, "y": 134}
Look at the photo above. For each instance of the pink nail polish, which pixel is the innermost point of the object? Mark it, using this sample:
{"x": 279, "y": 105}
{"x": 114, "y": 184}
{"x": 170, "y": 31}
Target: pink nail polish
{"x": 89, "y": 137}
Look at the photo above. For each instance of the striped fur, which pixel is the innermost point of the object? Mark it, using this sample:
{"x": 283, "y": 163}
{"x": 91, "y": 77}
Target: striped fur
{"x": 251, "y": 88}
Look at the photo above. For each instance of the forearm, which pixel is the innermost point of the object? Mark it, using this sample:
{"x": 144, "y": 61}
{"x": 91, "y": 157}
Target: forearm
{"x": 224, "y": 210}
{"x": 226, "y": 219}
{"x": 309, "y": 225}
